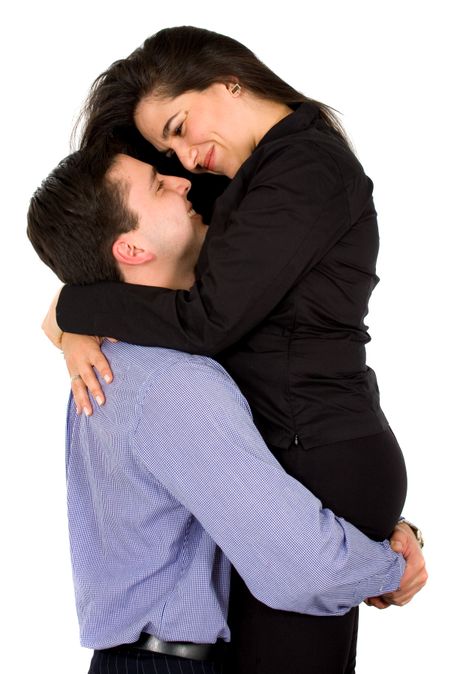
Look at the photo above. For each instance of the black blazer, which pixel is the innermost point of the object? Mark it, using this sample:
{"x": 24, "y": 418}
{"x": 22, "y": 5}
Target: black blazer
{"x": 284, "y": 279}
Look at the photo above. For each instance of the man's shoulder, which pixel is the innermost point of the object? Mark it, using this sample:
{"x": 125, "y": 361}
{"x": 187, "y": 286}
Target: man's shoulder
{"x": 154, "y": 383}
{"x": 156, "y": 378}
{"x": 196, "y": 382}
{"x": 146, "y": 365}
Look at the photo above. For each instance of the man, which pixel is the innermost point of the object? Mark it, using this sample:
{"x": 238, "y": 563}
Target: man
{"x": 170, "y": 481}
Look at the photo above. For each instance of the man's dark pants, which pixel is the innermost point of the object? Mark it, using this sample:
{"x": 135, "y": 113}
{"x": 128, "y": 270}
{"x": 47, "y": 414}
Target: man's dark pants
{"x": 133, "y": 661}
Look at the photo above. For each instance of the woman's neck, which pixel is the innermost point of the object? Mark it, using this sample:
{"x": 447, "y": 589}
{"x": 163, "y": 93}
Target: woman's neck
{"x": 266, "y": 115}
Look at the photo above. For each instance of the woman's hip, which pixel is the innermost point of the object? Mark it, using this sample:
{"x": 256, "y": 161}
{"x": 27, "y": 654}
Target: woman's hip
{"x": 363, "y": 479}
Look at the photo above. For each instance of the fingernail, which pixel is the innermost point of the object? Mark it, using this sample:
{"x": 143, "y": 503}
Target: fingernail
{"x": 77, "y": 410}
{"x": 107, "y": 378}
{"x": 86, "y": 411}
{"x": 99, "y": 400}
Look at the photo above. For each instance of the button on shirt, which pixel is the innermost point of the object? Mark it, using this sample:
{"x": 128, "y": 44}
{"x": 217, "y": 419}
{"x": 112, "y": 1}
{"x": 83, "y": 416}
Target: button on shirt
{"x": 170, "y": 480}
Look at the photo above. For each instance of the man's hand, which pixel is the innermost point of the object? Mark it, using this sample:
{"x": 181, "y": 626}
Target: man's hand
{"x": 49, "y": 324}
{"x": 415, "y": 576}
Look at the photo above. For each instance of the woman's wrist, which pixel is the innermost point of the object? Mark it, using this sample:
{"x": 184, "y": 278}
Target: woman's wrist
{"x": 50, "y": 325}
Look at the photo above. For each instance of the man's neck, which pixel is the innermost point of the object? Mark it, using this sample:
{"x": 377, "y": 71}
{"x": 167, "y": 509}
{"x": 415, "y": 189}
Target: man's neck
{"x": 160, "y": 277}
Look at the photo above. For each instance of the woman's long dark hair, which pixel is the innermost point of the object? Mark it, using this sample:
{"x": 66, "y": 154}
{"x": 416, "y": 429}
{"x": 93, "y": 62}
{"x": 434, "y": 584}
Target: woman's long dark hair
{"x": 169, "y": 63}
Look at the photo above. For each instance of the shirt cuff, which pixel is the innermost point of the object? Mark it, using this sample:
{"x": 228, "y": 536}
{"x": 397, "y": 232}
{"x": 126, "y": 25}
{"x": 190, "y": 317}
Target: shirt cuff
{"x": 384, "y": 582}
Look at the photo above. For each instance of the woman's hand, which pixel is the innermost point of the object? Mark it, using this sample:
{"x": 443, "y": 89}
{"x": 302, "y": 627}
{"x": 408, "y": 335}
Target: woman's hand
{"x": 82, "y": 353}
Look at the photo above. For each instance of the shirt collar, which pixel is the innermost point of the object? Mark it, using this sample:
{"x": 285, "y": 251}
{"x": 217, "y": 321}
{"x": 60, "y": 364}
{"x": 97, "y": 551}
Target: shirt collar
{"x": 304, "y": 115}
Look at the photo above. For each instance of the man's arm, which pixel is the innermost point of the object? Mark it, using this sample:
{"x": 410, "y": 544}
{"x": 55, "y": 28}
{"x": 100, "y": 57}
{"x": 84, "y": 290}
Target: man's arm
{"x": 197, "y": 437}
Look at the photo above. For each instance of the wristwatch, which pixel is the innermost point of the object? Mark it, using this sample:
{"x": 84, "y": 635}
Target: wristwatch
{"x": 416, "y": 531}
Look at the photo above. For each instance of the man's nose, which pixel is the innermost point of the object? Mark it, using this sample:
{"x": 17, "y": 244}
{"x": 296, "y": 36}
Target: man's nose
{"x": 178, "y": 184}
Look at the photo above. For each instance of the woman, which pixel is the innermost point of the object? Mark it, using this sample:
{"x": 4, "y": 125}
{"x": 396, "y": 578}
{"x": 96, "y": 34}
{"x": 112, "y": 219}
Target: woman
{"x": 283, "y": 284}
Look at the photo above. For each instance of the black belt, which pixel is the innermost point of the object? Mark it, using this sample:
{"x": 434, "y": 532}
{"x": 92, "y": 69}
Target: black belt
{"x": 179, "y": 649}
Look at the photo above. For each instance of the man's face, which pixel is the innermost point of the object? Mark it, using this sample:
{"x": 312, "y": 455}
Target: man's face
{"x": 168, "y": 226}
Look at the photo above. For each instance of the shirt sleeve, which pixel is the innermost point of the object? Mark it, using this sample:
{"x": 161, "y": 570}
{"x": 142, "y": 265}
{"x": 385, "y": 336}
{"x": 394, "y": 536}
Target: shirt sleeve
{"x": 196, "y": 436}
{"x": 295, "y": 209}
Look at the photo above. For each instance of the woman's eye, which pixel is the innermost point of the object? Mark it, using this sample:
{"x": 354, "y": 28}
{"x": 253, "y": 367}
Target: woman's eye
{"x": 177, "y": 131}
{"x": 160, "y": 185}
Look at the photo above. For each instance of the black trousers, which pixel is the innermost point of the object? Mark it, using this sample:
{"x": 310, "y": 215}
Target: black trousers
{"x": 362, "y": 480}
{"x": 132, "y": 661}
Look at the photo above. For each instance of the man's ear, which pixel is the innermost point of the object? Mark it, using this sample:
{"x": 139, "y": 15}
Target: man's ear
{"x": 126, "y": 252}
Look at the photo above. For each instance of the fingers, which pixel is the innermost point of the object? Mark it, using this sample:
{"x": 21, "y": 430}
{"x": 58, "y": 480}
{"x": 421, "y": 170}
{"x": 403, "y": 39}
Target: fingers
{"x": 377, "y": 602}
{"x": 81, "y": 397}
{"x": 80, "y": 388}
{"x": 400, "y": 537}
{"x": 82, "y": 355}
{"x": 414, "y": 577}
{"x": 404, "y": 595}
{"x": 101, "y": 364}
{"x": 397, "y": 545}
{"x": 417, "y": 582}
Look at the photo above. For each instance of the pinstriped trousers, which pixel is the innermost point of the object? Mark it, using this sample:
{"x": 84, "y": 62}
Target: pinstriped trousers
{"x": 134, "y": 661}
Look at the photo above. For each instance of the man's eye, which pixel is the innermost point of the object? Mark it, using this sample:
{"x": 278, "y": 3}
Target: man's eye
{"x": 160, "y": 185}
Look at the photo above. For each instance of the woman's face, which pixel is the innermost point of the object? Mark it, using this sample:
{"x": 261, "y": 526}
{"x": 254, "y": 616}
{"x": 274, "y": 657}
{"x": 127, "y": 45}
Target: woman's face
{"x": 208, "y": 130}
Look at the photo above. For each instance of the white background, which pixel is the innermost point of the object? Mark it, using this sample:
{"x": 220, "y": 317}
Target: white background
{"x": 384, "y": 66}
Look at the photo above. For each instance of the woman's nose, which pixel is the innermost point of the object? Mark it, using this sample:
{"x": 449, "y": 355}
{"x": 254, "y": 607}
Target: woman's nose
{"x": 188, "y": 156}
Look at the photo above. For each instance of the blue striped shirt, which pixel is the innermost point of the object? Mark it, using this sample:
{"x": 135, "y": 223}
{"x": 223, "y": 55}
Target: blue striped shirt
{"x": 168, "y": 483}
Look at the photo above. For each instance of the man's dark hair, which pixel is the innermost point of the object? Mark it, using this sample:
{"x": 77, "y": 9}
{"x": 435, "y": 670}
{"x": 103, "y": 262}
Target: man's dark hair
{"x": 75, "y": 216}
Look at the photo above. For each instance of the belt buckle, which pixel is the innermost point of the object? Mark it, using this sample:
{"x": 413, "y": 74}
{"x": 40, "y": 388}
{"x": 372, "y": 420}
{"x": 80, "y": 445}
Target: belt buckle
{"x": 179, "y": 649}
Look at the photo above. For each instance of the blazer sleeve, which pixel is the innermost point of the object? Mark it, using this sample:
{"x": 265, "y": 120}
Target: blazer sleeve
{"x": 295, "y": 209}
